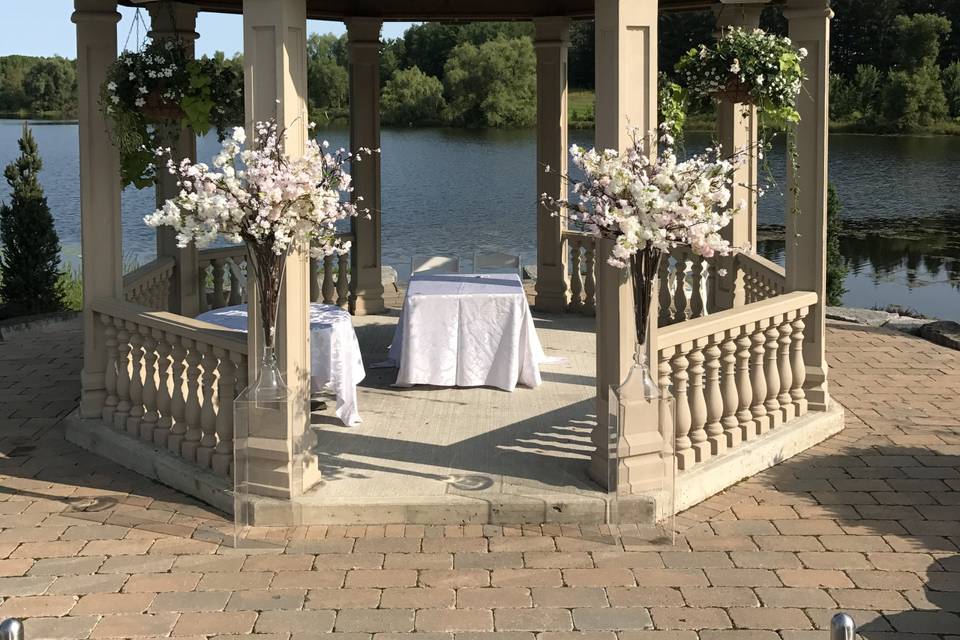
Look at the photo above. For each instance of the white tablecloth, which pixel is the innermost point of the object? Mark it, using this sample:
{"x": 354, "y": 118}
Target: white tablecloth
{"x": 466, "y": 330}
{"x": 335, "y": 360}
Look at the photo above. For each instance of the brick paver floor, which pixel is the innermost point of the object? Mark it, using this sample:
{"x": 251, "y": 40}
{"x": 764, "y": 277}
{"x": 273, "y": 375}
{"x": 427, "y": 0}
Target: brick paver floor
{"x": 868, "y": 522}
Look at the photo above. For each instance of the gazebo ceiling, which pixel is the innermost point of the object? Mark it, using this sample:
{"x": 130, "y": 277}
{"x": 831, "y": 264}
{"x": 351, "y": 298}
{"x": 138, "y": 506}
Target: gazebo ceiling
{"x": 423, "y": 10}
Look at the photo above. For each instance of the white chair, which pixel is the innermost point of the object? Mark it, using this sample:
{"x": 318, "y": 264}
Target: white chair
{"x": 496, "y": 262}
{"x": 434, "y": 264}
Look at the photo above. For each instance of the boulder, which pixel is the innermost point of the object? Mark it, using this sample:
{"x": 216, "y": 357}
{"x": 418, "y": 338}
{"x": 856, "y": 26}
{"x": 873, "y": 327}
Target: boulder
{"x": 943, "y": 332}
{"x": 907, "y": 324}
{"x": 860, "y": 316}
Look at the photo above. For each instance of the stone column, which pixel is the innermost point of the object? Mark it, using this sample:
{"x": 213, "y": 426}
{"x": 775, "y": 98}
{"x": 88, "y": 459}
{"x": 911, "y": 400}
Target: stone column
{"x": 366, "y": 287}
{"x": 626, "y": 89}
{"x": 100, "y": 228}
{"x": 275, "y": 83}
{"x": 737, "y": 126}
{"x": 806, "y": 229}
{"x": 552, "y": 40}
{"x": 177, "y": 21}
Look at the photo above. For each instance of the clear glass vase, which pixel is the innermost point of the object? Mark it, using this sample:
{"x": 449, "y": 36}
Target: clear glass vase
{"x": 639, "y": 376}
{"x": 269, "y": 386}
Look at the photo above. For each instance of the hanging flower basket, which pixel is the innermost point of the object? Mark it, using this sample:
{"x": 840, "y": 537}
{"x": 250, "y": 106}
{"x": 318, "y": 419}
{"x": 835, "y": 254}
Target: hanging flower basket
{"x": 736, "y": 91}
{"x": 156, "y": 110}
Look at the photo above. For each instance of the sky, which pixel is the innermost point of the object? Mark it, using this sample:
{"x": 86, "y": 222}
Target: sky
{"x": 43, "y": 28}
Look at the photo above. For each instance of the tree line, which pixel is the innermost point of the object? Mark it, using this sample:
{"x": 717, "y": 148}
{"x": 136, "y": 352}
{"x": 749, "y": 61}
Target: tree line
{"x": 895, "y": 65}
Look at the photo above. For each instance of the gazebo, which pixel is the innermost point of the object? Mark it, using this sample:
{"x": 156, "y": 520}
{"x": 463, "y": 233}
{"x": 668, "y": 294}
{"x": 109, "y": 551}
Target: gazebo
{"x": 737, "y": 343}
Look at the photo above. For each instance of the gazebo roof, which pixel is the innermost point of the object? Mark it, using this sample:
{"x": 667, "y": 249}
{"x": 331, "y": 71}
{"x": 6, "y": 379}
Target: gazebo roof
{"x": 423, "y": 10}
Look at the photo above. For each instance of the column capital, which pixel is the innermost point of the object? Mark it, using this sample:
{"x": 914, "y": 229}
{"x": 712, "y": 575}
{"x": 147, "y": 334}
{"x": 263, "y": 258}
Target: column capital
{"x": 746, "y": 14}
{"x": 551, "y": 30}
{"x": 95, "y": 11}
{"x": 170, "y": 20}
{"x": 363, "y": 30}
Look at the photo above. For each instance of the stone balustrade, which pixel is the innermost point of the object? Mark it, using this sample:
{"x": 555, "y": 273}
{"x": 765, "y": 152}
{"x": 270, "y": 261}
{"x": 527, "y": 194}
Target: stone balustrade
{"x": 223, "y": 277}
{"x": 762, "y": 279}
{"x": 149, "y": 285}
{"x": 731, "y": 377}
{"x": 685, "y": 280}
{"x": 170, "y": 381}
{"x": 582, "y": 250}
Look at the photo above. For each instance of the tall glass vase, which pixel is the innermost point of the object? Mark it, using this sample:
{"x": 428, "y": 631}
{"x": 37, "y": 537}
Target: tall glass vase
{"x": 268, "y": 269}
{"x": 643, "y": 273}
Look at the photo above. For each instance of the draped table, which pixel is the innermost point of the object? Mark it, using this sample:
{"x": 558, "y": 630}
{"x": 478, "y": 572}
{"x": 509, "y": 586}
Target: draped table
{"x": 466, "y": 330}
{"x": 335, "y": 360}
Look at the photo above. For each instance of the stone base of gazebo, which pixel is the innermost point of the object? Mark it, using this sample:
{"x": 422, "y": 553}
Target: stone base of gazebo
{"x": 483, "y": 456}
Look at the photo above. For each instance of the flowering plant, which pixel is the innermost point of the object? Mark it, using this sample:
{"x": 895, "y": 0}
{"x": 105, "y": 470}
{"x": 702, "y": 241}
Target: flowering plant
{"x": 259, "y": 196}
{"x": 648, "y": 205}
{"x": 751, "y": 66}
{"x": 157, "y": 86}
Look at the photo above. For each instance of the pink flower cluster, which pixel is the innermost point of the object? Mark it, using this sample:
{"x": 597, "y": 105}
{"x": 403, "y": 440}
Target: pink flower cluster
{"x": 256, "y": 194}
{"x": 657, "y": 203}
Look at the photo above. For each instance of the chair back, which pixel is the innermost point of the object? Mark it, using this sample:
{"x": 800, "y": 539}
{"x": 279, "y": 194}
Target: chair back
{"x": 434, "y": 264}
{"x": 496, "y": 262}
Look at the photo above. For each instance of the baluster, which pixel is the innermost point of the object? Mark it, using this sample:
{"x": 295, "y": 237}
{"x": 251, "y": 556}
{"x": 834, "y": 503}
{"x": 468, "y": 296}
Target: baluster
{"x": 576, "y": 277}
{"x": 203, "y": 302}
{"x": 226, "y": 392}
{"x": 681, "y": 306}
{"x": 698, "y": 281}
{"x": 208, "y": 417}
{"x": 110, "y": 371}
{"x": 663, "y": 290}
{"x": 772, "y": 374}
{"x": 784, "y": 399}
{"x": 245, "y": 269}
{"x": 328, "y": 289}
{"x": 178, "y": 402}
{"x": 797, "y": 365}
{"x": 666, "y": 410}
{"x": 315, "y": 295}
{"x": 728, "y": 389}
{"x": 123, "y": 376}
{"x": 684, "y": 452}
{"x": 219, "y": 299}
{"x": 164, "y": 421}
{"x": 713, "y": 398}
{"x": 758, "y": 382}
{"x": 744, "y": 388}
{"x": 165, "y": 292}
{"x": 191, "y": 439}
{"x": 240, "y": 360}
{"x": 136, "y": 380}
{"x": 149, "y": 421}
{"x": 590, "y": 280}
{"x": 236, "y": 295}
{"x": 343, "y": 280}
{"x": 698, "y": 403}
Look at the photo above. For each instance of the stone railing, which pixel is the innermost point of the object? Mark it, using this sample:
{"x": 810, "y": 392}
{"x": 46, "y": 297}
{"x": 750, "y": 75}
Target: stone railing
{"x": 582, "y": 255}
{"x": 762, "y": 279}
{"x": 222, "y": 277}
{"x": 149, "y": 285}
{"x": 685, "y": 282}
{"x": 731, "y": 377}
{"x": 170, "y": 381}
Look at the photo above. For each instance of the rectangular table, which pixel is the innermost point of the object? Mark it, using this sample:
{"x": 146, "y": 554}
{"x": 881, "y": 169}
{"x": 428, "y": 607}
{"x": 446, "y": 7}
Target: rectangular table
{"x": 466, "y": 330}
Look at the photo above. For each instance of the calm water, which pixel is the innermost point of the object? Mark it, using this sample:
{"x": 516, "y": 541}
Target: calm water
{"x": 456, "y": 192}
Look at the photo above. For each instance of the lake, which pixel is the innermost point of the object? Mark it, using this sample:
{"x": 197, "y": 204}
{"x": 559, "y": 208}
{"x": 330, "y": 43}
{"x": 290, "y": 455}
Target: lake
{"x": 452, "y": 191}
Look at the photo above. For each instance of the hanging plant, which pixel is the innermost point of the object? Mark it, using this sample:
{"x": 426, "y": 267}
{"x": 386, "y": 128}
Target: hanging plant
{"x": 159, "y": 86}
{"x": 751, "y": 66}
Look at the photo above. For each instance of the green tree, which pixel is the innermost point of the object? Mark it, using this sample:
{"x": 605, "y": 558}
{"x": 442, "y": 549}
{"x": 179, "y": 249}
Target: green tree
{"x": 493, "y": 85}
{"x": 327, "y": 80}
{"x": 951, "y": 88}
{"x": 428, "y": 45}
{"x": 51, "y": 85}
{"x": 581, "y": 60}
{"x": 411, "y": 97}
{"x": 866, "y": 87}
{"x": 392, "y": 59}
{"x": 914, "y": 99}
{"x": 836, "y": 265}
{"x": 918, "y": 39}
{"x": 30, "y": 263}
